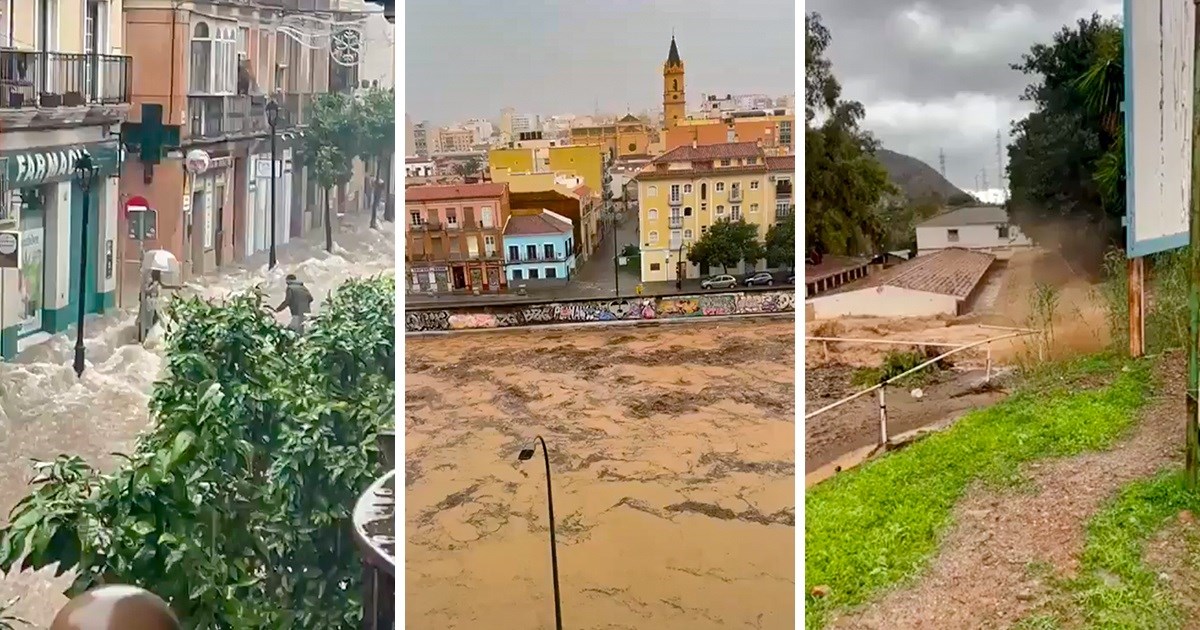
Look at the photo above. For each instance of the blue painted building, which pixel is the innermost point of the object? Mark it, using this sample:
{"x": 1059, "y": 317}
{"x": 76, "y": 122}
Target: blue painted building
{"x": 538, "y": 245}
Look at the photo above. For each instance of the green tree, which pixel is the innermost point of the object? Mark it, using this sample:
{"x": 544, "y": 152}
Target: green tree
{"x": 727, "y": 243}
{"x": 844, "y": 183}
{"x": 330, "y": 143}
{"x": 1066, "y": 161}
{"x": 376, "y": 119}
{"x": 780, "y": 244}
{"x": 469, "y": 167}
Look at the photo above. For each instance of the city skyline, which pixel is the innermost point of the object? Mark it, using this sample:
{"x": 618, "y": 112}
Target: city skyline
{"x": 605, "y": 56}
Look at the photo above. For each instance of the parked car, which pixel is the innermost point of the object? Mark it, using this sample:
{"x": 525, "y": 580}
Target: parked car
{"x": 792, "y": 278}
{"x": 760, "y": 278}
{"x": 723, "y": 281}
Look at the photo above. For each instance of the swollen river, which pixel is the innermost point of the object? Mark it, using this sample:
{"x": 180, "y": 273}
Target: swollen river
{"x": 45, "y": 410}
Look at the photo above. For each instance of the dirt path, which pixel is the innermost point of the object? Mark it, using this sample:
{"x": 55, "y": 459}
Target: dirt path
{"x": 856, "y": 424}
{"x": 982, "y": 577}
{"x": 673, "y": 451}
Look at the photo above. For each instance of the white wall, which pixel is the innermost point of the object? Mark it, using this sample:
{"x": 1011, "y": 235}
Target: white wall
{"x": 970, "y": 237}
{"x": 886, "y": 301}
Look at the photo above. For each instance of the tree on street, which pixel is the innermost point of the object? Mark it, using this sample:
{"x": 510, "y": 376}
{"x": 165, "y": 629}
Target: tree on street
{"x": 780, "y": 246}
{"x": 330, "y": 144}
{"x": 375, "y": 116}
{"x": 726, "y": 244}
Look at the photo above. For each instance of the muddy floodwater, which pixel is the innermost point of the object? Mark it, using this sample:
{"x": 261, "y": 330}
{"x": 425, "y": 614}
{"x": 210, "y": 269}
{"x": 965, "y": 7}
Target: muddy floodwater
{"x": 672, "y": 448}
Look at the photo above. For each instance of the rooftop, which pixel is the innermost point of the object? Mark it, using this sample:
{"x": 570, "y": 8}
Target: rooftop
{"x": 970, "y": 215}
{"x": 954, "y": 272}
{"x": 781, "y": 162}
{"x": 723, "y": 151}
{"x": 536, "y": 224}
{"x": 831, "y": 266}
{"x": 460, "y": 191}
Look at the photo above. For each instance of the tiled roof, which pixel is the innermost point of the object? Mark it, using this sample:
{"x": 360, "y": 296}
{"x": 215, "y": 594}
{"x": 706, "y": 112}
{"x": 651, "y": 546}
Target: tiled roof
{"x": 954, "y": 272}
{"x": 446, "y": 193}
{"x": 781, "y": 163}
{"x": 533, "y": 224}
{"x": 723, "y": 151}
{"x": 583, "y": 191}
{"x": 831, "y": 266}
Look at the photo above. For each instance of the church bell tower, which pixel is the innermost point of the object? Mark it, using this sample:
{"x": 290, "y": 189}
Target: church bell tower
{"x": 674, "y": 103}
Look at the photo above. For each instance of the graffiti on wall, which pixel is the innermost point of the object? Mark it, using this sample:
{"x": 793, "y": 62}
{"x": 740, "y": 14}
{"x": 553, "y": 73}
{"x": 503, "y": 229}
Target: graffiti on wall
{"x": 606, "y": 310}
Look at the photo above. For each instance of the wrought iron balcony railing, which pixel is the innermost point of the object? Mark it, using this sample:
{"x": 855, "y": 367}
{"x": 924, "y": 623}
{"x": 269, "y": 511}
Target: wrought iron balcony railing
{"x": 54, "y": 79}
{"x": 674, "y": 223}
{"x": 375, "y": 534}
{"x": 221, "y": 116}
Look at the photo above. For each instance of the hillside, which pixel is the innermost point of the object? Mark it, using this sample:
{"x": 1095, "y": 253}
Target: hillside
{"x": 914, "y": 177}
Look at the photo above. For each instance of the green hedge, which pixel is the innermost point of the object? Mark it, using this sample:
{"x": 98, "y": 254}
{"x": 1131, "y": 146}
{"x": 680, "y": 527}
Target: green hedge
{"x": 236, "y": 506}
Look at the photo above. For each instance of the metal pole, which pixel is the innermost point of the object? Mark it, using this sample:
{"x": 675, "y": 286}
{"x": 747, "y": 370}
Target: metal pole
{"x": 616, "y": 256}
{"x": 84, "y": 166}
{"x": 553, "y": 543}
{"x": 988, "y": 373}
{"x": 1192, "y": 458}
{"x": 271, "y": 264}
{"x": 883, "y": 430}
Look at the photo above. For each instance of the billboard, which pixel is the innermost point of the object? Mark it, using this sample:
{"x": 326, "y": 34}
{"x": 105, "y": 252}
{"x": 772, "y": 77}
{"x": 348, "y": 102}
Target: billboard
{"x": 1158, "y": 123}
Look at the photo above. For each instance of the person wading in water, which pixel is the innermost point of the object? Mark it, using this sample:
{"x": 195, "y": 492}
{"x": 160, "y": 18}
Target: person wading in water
{"x": 297, "y": 300}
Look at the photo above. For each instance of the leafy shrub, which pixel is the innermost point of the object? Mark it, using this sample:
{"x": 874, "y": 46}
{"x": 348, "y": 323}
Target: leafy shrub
{"x": 235, "y": 506}
{"x": 1167, "y": 307}
{"x": 896, "y": 363}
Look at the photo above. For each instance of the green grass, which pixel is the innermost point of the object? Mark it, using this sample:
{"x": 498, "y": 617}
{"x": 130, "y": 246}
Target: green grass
{"x": 873, "y": 527}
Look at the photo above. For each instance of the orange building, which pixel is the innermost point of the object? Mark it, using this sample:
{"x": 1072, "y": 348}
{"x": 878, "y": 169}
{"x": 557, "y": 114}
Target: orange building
{"x": 454, "y": 238}
{"x": 772, "y": 130}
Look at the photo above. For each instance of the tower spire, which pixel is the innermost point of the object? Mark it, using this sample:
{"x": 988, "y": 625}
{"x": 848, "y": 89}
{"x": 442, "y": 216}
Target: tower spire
{"x": 673, "y": 55}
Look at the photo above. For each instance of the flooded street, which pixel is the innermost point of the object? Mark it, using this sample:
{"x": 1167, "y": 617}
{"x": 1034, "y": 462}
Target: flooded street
{"x": 45, "y": 410}
{"x": 673, "y": 451}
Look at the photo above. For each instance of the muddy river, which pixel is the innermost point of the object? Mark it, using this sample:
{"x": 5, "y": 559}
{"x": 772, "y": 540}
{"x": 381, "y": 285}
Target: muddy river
{"x": 673, "y": 450}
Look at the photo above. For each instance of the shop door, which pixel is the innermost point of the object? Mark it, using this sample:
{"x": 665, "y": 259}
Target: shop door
{"x": 219, "y": 226}
{"x": 91, "y": 300}
{"x": 195, "y": 231}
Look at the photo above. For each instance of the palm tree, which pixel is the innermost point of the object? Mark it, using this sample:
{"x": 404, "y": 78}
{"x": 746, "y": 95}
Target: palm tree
{"x": 1103, "y": 90}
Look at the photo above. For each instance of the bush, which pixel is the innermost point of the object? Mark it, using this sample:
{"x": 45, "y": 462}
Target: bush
{"x": 1167, "y": 309}
{"x": 235, "y": 507}
{"x": 896, "y": 363}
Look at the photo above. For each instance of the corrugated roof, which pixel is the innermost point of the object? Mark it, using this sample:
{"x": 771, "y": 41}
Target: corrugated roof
{"x": 446, "y": 193}
{"x": 534, "y": 224}
{"x": 723, "y": 151}
{"x": 954, "y": 272}
{"x": 970, "y": 215}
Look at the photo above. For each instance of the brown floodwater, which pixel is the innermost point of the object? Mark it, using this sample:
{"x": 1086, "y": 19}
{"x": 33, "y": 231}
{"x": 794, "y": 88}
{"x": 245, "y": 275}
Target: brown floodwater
{"x": 672, "y": 448}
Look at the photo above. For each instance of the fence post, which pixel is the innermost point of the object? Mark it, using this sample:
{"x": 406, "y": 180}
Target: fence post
{"x": 825, "y": 350}
{"x": 883, "y": 430}
{"x": 988, "y": 374}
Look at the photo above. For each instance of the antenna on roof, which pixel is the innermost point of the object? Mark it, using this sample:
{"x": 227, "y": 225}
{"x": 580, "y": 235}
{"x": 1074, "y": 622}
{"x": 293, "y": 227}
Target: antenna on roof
{"x": 1000, "y": 168}
{"x": 942, "y": 161}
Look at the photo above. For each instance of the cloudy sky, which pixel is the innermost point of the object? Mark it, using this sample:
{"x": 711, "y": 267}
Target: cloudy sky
{"x": 470, "y": 58}
{"x": 934, "y": 74}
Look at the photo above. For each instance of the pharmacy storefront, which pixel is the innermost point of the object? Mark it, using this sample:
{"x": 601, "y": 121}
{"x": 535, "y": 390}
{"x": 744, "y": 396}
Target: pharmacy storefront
{"x": 42, "y": 200}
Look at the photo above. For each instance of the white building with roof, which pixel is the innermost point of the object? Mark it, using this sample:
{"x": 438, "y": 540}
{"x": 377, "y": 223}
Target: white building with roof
{"x": 979, "y": 228}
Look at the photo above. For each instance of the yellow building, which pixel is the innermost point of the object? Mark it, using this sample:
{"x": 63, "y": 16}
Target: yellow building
{"x": 684, "y": 191}
{"x": 455, "y": 140}
{"x": 627, "y": 136}
{"x": 585, "y": 162}
{"x": 674, "y": 103}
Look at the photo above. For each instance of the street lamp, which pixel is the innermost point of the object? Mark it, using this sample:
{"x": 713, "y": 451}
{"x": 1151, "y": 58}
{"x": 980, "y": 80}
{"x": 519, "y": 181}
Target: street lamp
{"x": 272, "y": 122}
{"x": 525, "y": 455}
{"x": 86, "y": 172}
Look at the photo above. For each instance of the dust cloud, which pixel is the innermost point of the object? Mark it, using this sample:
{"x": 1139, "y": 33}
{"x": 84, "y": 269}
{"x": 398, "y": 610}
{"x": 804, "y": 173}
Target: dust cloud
{"x": 672, "y": 449}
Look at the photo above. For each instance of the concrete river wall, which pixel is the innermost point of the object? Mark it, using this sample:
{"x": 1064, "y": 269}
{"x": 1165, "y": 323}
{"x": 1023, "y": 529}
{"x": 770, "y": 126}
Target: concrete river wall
{"x": 515, "y": 314}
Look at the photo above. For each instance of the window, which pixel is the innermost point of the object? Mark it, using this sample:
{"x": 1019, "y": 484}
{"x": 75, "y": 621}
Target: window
{"x": 214, "y": 59}
{"x": 736, "y": 212}
{"x": 652, "y": 214}
{"x": 551, "y": 273}
{"x": 514, "y": 253}
{"x": 724, "y": 163}
{"x": 548, "y": 248}
{"x": 487, "y": 217}
{"x": 655, "y": 266}
{"x": 652, "y": 191}
{"x": 1002, "y": 231}
{"x": 518, "y": 274}
{"x": 720, "y": 211}
{"x": 687, "y": 235}
{"x": 416, "y": 217}
{"x": 754, "y": 184}
{"x": 703, "y": 229}
{"x": 704, "y": 191}
{"x": 451, "y": 217}
{"x": 489, "y": 245}
{"x": 674, "y": 192}
{"x": 243, "y": 38}
{"x": 720, "y": 186}
{"x": 533, "y": 274}
{"x": 531, "y": 253}
{"x": 952, "y": 236}
{"x": 753, "y": 208}
{"x": 652, "y": 236}
{"x": 632, "y": 147}
{"x": 687, "y": 189}
{"x": 687, "y": 212}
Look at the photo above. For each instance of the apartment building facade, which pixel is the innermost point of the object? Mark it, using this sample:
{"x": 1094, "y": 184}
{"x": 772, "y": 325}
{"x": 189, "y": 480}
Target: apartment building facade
{"x": 454, "y": 237}
{"x": 684, "y": 191}
{"x": 208, "y": 71}
{"x": 65, "y": 88}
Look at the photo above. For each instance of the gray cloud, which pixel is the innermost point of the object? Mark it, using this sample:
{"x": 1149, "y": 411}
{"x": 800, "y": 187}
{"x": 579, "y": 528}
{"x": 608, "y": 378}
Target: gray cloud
{"x": 935, "y": 75}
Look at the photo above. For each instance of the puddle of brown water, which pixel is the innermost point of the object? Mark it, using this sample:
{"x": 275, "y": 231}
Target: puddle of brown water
{"x": 672, "y": 449}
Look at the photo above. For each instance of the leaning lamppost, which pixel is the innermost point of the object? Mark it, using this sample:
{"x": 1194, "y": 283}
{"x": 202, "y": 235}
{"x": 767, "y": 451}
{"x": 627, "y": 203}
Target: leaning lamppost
{"x": 86, "y": 172}
{"x": 526, "y": 454}
{"x": 272, "y": 122}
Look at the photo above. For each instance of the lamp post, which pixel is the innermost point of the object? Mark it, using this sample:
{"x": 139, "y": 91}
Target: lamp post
{"x": 86, "y": 172}
{"x": 525, "y": 455}
{"x": 272, "y": 122}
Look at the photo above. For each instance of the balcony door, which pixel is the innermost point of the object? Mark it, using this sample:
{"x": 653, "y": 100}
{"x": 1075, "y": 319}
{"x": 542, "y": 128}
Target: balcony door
{"x": 95, "y": 43}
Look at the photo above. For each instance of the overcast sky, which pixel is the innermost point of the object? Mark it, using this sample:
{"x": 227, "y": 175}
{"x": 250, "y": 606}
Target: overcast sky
{"x": 935, "y": 74}
{"x": 470, "y": 58}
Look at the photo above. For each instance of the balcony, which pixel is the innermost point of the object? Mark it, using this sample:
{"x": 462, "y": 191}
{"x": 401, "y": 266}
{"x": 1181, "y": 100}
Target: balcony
{"x": 375, "y": 535}
{"x": 735, "y": 193}
{"x": 55, "y": 85}
{"x": 675, "y": 200}
{"x": 427, "y": 226}
{"x": 675, "y": 223}
{"x": 557, "y": 257}
{"x": 213, "y": 117}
